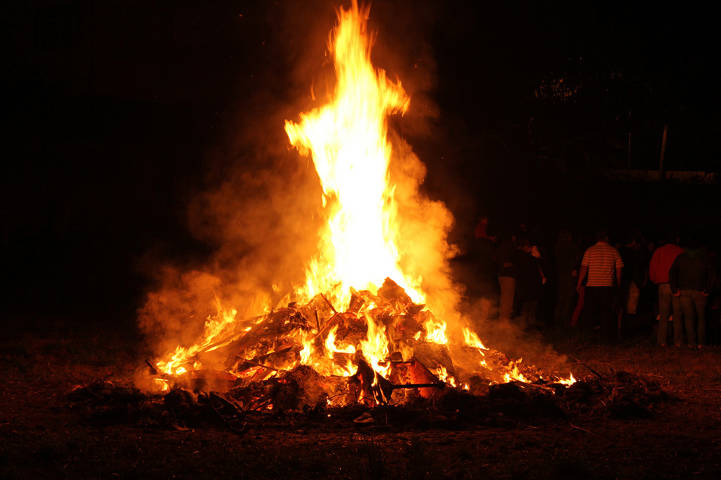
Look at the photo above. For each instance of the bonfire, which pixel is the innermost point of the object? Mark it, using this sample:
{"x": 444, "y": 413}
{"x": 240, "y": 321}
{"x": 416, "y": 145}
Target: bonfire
{"x": 377, "y": 319}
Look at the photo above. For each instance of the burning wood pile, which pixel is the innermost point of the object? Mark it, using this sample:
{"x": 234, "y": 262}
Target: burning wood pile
{"x": 385, "y": 349}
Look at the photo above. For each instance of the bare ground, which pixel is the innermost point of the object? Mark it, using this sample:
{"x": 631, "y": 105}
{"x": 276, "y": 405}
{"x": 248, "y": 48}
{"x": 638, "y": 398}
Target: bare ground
{"x": 40, "y": 437}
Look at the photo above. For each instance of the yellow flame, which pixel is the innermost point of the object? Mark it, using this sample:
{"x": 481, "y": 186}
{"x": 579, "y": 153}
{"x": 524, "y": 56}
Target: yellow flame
{"x": 567, "y": 381}
{"x": 436, "y": 331}
{"x": 472, "y": 340}
{"x": 306, "y": 352}
{"x": 331, "y": 347}
{"x": 327, "y": 364}
{"x": 214, "y": 329}
{"x": 443, "y": 376}
{"x": 162, "y": 383}
{"x": 514, "y": 373}
{"x": 375, "y": 347}
{"x": 348, "y": 141}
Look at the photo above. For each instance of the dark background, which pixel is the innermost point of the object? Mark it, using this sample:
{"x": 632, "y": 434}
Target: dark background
{"x": 121, "y": 112}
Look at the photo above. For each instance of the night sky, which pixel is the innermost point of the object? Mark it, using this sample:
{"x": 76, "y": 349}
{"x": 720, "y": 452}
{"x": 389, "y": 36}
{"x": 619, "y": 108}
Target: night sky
{"x": 121, "y": 112}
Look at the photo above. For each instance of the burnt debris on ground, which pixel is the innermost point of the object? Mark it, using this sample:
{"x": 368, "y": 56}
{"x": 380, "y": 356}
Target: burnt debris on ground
{"x": 300, "y": 398}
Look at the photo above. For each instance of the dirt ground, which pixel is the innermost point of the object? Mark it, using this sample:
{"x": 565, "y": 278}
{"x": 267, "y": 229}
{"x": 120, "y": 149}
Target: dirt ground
{"x": 40, "y": 437}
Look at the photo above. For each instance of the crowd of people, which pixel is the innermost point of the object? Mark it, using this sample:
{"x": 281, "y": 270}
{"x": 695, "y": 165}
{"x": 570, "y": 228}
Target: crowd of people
{"x": 601, "y": 288}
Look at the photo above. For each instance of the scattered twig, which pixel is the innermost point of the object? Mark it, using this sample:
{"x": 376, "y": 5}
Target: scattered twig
{"x": 254, "y": 364}
{"x": 227, "y": 422}
{"x": 576, "y": 427}
{"x": 260, "y": 358}
{"x": 587, "y": 366}
{"x": 419, "y": 385}
{"x": 259, "y": 407}
{"x": 153, "y": 370}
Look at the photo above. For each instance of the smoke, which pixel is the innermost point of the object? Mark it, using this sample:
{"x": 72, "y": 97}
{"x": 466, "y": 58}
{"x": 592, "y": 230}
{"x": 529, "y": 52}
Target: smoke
{"x": 424, "y": 226}
{"x": 262, "y": 220}
{"x": 260, "y": 209}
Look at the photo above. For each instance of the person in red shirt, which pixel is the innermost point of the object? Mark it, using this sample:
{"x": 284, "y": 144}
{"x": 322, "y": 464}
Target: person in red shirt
{"x": 658, "y": 271}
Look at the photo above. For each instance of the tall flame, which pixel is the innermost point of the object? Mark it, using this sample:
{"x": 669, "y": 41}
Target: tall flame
{"x": 348, "y": 142}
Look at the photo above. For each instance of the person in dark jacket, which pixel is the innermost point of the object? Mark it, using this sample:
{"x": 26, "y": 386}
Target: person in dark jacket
{"x": 691, "y": 277}
{"x": 529, "y": 283}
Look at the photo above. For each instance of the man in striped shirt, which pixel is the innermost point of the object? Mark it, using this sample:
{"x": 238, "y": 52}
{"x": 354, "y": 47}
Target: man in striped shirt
{"x": 601, "y": 268}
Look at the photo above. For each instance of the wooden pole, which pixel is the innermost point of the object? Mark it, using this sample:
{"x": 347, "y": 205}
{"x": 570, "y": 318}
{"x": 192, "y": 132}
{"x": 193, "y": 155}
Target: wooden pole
{"x": 628, "y": 150}
{"x": 664, "y": 137}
